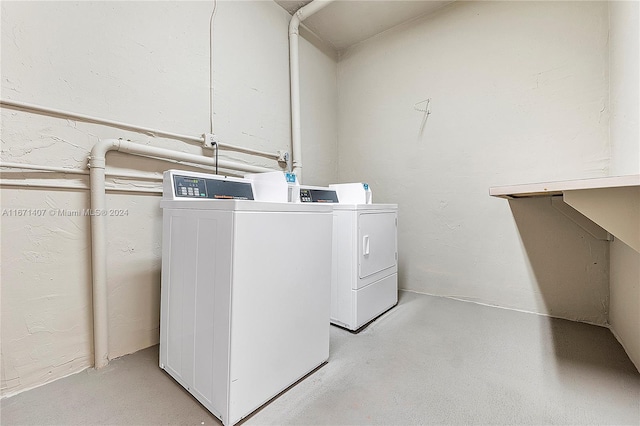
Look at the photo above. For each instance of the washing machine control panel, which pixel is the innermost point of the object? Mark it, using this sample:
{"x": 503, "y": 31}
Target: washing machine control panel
{"x": 318, "y": 196}
{"x": 206, "y": 188}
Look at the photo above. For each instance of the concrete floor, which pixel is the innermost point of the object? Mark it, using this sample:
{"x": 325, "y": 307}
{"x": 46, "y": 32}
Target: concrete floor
{"x": 430, "y": 360}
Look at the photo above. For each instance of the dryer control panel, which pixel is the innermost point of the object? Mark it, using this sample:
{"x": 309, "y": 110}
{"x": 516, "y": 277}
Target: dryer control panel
{"x": 310, "y": 195}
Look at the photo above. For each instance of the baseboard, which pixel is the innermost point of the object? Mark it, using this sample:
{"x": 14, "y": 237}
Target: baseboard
{"x": 461, "y": 299}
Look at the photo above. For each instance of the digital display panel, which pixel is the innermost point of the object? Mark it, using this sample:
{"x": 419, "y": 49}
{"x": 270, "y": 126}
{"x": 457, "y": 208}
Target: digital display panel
{"x": 217, "y": 189}
{"x": 318, "y": 196}
{"x": 190, "y": 187}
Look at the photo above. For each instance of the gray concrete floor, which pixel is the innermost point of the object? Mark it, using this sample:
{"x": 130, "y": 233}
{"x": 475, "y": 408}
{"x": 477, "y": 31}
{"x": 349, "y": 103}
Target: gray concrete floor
{"x": 430, "y": 360}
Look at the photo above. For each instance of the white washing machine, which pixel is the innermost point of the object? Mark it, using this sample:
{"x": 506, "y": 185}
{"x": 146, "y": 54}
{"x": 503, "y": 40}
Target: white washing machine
{"x": 364, "y": 282}
{"x": 245, "y": 301}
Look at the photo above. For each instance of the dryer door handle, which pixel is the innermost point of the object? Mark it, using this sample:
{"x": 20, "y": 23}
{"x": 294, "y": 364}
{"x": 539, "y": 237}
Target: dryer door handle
{"x": 365, "y": 245}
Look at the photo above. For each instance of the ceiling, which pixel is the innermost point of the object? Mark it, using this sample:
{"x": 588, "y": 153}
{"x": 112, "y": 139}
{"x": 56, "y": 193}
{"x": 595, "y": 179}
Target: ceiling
{"x": 344, "y": 23}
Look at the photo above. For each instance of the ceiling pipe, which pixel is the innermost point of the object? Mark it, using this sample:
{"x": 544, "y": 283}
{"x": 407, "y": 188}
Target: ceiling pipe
{"x": 97, "y": 164}
{"x": 294, "y": 73}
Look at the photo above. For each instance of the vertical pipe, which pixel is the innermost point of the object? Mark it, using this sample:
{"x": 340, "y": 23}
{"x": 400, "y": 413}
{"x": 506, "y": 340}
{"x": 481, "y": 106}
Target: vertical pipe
{"x": 98, "y": 240}
{"x": 97, "y": 163}
{"x": 294, "y": 75}
{"x": 211, "y": 63}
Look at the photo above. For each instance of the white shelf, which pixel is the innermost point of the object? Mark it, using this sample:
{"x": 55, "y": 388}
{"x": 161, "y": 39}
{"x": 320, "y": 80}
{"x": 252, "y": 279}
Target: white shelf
{"x": 611, "y": 202}
{"x": 559, "y": 187}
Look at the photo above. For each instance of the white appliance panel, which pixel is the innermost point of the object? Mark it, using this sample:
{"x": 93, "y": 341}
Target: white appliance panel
{"x": 377, "y": 242}
{"x": 194, "y": 342}
{"x": 285, "y": 312}
{"x": 245, "y": 300}
{"x": 344, "y": 265}
{"x": 375, "y": 298}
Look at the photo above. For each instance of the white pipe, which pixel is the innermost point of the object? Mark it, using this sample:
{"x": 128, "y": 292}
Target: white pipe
{"x": 7, "y": 182}
{"x": 161, "y": 153}
{"x": 27, "y": 166}
{"x": 42, "y": 168}
{"x": 125, "y": 126}
{"x": 37, "y": 167}
{"x": 211, "y": 92}
{"x": 294, "y": 74}
{"x": 97, "y": 164}
{"x": 108, "y": 188}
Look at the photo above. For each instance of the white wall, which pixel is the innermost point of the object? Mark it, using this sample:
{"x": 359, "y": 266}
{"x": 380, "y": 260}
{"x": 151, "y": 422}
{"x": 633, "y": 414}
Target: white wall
{"x": 624, "y": 19}
{"x": 625, "y": 298}
{"x": 145, "y": 63}
{"x": 624, "y": 49}
{"x": 318, "y": 111}
{"x": 519, "y": 94}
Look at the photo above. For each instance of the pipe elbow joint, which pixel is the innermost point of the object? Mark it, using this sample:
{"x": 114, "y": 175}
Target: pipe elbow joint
{"x": 97, "y": 159}
{"x": 294, "y": 25}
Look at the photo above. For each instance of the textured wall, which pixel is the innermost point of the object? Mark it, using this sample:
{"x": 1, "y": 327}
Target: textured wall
{"x": 318, "y": 111}
{"x": 624, "y": 21}
{"x": 519, "y": 94}
{"x": 624, "y": 63}
{"x": 625, "y": 298}
{"x": 145, "y": 63}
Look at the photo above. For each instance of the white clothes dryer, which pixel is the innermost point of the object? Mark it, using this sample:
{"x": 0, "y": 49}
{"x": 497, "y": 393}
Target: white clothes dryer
{"x": 365, "y": 259}
{"x": 364, "y": 282}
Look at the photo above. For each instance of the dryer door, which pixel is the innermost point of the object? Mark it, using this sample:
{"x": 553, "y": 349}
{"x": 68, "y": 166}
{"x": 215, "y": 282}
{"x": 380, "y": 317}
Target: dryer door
{"x": 377, "y": 242}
